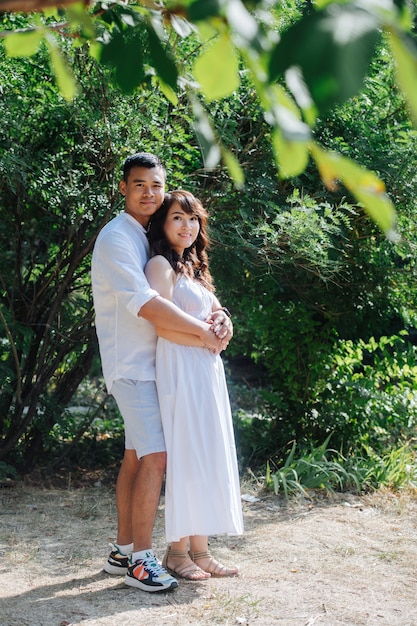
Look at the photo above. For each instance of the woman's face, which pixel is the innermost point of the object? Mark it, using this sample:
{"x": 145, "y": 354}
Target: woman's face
{"x": 181, "y": 229}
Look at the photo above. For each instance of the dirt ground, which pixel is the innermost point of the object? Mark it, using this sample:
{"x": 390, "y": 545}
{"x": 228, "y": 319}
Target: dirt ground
{"x": 345, "y": 560}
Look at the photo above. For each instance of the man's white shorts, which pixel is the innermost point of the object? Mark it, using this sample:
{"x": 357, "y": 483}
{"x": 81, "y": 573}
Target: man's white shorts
{"x": 138, "y": 404}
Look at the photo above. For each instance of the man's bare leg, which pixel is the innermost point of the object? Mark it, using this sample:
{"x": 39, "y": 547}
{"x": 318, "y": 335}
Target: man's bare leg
{"x": 146, "y": 492}
{"x": 124, "y": 496}
{"x": 117, "y": 562}
{"x": 144, "y": 571}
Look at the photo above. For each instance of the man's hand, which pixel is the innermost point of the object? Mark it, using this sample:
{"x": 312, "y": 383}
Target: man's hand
{"x": 212, "y": 341}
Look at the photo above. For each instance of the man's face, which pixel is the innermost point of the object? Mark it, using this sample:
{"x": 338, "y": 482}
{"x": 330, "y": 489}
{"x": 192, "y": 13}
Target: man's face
{"x": 143, "y": 192}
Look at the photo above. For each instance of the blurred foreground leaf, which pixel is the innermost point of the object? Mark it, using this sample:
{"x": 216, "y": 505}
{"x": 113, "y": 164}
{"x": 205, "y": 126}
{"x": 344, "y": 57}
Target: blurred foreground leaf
{"x": 367, "y": 188}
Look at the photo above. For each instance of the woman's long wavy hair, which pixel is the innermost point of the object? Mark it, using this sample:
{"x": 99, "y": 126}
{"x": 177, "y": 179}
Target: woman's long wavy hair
{"x": 194, "y": 262}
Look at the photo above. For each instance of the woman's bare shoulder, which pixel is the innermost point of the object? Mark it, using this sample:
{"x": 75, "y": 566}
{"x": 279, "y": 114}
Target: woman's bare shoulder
{"x": 158, "y": 261}
{"x": 159, "y": 272}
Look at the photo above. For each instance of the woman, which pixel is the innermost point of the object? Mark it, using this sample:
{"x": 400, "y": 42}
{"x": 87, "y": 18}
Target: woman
{"x": 202, "y": 494}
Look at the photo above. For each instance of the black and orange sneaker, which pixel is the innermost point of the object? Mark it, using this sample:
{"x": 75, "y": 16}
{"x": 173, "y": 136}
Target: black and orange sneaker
{"x": 149, "y": 575}
{"x": 117, "y": 563}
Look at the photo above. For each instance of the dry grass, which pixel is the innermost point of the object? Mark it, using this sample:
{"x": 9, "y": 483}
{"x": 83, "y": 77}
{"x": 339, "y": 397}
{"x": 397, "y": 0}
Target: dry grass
{"x": 340, "y": 561}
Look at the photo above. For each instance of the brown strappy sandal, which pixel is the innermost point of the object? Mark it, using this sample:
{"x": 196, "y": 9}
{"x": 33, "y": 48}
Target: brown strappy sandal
{"x": 213, "y": 567}
{"x": 185, "y": 568}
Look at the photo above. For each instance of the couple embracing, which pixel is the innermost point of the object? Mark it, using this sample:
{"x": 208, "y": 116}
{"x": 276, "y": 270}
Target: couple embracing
{"x": 161, "y": 329}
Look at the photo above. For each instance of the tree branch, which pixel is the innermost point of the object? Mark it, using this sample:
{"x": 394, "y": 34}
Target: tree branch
{"x": 15, "y": 358}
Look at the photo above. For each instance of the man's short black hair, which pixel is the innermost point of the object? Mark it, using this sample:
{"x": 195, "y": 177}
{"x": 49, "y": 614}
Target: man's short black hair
{"x": 141, "y": 159}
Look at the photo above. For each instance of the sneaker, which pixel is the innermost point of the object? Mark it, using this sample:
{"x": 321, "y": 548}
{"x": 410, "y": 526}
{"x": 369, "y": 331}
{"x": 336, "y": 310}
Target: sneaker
{"x": 117, "y": 563}
{"x": 149, "y": 575}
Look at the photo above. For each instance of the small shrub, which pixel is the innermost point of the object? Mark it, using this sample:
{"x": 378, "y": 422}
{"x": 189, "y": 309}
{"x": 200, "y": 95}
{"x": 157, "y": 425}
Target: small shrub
{"x": 397, "y": 469}
{"x": 320, "y": 468}
{"x": 324, "y": 468}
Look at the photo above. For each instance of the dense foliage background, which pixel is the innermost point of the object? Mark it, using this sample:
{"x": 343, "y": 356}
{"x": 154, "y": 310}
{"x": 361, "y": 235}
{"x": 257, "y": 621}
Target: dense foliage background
{"x": 324, "y": 306}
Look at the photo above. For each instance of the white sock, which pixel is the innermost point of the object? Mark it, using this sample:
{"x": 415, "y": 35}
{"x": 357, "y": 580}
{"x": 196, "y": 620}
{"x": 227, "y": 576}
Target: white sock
{"x": 125, "y": 550}
{"x": 141, "y": 554}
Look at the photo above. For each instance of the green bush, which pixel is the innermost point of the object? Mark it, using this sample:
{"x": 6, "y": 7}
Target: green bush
{"x": 365, "y": 401}
{"x": 368, "y": 397}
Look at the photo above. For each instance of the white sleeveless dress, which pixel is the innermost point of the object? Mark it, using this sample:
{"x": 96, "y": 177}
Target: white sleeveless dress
{"x": 202, "y": 491}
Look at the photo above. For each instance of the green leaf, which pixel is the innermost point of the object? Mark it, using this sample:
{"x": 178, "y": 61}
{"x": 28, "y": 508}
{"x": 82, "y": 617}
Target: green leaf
{"x": 224, "y": 80}
{"x": 333, "y": 48}
{"x": 124, "y": 46}
{"x": 204, "y": 9}
{"x": 290, "y": 135}
{"x": 367, "y": 188}
{"x": 241, "y": 21}
{"x": 322, "y": 4}
{"x": 79, "y": 17}
{"x": 205, "y": 135}
{"x": 162, "y": 62}
{"x": 169, "y": 93}
{"x": 298, "y": 88}
{"x": 64, "y": 76}
{"x": 23, "y": 44}
{"x": 291, "y": 156}
{"x": 405, "y": 55}
{"x": 287, "y": 116}
{"x": 233, "y": 167}
{"x": 121, "y": 15}
{"x": 182, "y": 27}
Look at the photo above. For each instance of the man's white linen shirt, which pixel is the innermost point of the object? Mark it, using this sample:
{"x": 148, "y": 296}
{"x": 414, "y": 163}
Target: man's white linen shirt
{"x": 127, "y": 342}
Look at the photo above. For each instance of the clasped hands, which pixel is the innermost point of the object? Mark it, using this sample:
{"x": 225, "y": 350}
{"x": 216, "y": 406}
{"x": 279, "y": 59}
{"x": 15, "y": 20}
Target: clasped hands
{"x": 221, "y": 325}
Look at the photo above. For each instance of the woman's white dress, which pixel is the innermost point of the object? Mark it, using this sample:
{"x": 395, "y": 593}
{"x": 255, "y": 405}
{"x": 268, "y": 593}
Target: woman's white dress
{"x": 202, "y": 492}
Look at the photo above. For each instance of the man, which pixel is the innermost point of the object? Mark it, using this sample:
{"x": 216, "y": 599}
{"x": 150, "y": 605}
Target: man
{"x": 126, "y": 311}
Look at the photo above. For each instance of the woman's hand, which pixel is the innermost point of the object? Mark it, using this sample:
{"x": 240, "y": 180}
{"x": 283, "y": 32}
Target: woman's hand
{"x": 221, "y": 325}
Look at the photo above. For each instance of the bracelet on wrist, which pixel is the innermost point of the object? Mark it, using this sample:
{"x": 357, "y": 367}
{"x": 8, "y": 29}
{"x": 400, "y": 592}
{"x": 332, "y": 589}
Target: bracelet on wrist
{"x": 226, "y": 311}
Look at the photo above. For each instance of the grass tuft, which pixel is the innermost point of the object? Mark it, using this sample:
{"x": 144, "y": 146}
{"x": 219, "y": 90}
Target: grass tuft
{"x": 324, "y": 468}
